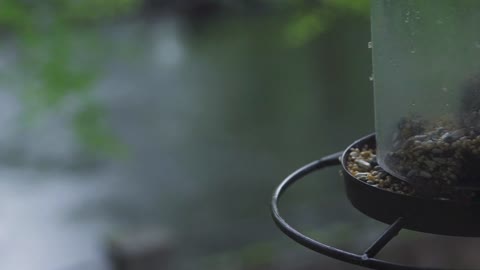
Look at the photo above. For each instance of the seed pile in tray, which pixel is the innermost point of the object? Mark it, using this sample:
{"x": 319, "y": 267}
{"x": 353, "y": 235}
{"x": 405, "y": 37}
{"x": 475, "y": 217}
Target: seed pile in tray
{"x": 362, "y": 163}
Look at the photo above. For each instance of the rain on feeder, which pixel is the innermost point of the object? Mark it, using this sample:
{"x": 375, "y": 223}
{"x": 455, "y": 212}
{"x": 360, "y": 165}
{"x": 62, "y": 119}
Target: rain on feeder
{"x": 419, "y": 170}
{"x": 427, "y": 92}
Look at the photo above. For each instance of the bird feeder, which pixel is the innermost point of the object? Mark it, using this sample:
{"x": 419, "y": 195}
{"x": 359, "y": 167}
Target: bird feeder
{"x": 419, "y": 170}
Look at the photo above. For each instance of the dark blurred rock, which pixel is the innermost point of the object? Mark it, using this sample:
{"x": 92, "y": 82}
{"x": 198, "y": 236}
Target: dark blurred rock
{"x": 141, "y": 250}
{"x": 195, "y": 9}
{"x": 204, "y": 9}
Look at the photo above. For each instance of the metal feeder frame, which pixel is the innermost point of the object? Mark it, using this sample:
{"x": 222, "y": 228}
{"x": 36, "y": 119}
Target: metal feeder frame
{"x": 435, "y": 216}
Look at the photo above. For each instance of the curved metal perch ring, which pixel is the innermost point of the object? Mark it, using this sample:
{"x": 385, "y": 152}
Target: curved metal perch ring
{"x": 367, "y": 259}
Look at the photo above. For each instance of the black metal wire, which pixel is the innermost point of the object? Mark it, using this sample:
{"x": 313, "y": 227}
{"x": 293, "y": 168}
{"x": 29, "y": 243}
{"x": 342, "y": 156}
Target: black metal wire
{"x": 383, "y": 240}
{"x": 364, "y": 260}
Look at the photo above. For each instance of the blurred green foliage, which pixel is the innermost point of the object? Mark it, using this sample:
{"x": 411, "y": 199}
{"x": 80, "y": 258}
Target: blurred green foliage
{"x": 50, "y": 35}
{"x": 312, "y": 18}
{"x": 59, "y": 56}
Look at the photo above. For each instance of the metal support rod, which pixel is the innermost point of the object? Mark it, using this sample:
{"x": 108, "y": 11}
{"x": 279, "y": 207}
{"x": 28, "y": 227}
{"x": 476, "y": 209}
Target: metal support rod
{"x": 384, "y": 239}
{"x": 354, "y": 185}
{"x": 352, "y": 258}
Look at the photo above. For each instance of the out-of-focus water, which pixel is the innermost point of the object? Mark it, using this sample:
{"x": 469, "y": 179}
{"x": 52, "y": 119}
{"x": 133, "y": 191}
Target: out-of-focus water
{"x": 213, "y": 117}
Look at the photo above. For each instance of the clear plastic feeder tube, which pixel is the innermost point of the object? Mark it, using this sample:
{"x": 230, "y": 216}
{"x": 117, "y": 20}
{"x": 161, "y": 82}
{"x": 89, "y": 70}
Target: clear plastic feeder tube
{"x": 426, "y": 69}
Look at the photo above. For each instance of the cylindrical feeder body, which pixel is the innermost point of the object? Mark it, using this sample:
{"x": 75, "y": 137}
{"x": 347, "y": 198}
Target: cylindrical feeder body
{"x": 426, "y": 70}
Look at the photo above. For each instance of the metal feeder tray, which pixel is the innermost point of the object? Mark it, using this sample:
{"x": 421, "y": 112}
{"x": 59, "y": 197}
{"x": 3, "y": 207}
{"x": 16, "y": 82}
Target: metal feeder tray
{"x": 436, "y": 216}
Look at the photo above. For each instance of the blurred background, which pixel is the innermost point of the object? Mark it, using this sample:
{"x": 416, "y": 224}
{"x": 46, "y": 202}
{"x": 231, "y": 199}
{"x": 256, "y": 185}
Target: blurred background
{"x": 149, "y": 134}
